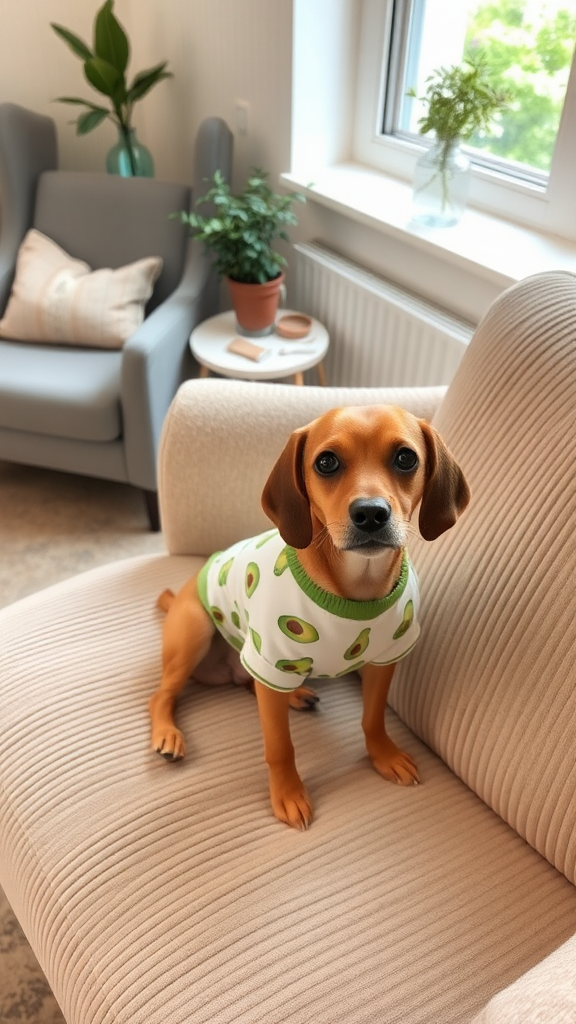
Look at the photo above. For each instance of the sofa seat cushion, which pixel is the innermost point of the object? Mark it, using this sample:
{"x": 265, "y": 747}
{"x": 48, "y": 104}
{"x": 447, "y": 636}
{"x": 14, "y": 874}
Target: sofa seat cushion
{"x": 60, "y": 392}
{"x": 154, "y": 892}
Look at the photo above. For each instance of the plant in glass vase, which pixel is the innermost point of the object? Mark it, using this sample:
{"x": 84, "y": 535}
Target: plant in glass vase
{"x": 460, "y": 100}
{"x": 240, "y": 235}
{"x": 105, "y": 69}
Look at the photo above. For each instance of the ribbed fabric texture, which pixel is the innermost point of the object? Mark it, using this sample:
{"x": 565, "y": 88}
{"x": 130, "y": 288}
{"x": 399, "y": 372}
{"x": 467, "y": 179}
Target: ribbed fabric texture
{"x": 492, "y": 685}
{"x": 168, "y": 894}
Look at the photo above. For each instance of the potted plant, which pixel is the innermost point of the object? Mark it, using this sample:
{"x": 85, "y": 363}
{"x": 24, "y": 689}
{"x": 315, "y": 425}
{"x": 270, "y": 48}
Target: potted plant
{"x": 105, "y": 69}
{"x": 240, "y": 234}
{"x": 460, "y": 100}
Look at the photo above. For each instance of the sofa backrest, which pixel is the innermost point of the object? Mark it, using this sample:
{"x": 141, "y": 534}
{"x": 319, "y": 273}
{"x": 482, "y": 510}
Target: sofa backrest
{"x": 491, "y": 686}
{"x": 222, "y": 437}
{"x": 110, "y": 221}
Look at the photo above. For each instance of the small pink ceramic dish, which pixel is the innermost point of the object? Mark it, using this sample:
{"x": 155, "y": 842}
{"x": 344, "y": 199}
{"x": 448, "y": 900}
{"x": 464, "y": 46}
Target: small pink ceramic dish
{"x": 293, "y": 326}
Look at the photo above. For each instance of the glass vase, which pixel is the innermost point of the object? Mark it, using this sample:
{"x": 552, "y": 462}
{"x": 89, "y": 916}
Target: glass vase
{"x": 441, "y": 185}
{"x": 129, "y": 158}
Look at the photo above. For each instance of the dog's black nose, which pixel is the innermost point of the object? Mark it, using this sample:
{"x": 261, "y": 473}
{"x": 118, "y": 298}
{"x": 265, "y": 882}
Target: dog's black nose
{"x": 370, "y": 514}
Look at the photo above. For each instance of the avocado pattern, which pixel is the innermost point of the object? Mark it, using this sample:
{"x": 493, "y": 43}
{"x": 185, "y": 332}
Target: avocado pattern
{"x": 281, "y": 563}
{"x": 256, "y": 640}
{"x": 358, "y": 646}
{"x": 252, "y": 578}
{"x": 407, "y": 619}
{"x": 298, "y": 629}
{"x": 299, "y": 667}
{"x": 223, "y": 574}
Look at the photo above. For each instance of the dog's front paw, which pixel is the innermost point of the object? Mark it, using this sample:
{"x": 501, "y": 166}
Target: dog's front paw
{"x": 290, "y": 801}
{"x": 169, "y": 743}
{"x": 393, "y": 764}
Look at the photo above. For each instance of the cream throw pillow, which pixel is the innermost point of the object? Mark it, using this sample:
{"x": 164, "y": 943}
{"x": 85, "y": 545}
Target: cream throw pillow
{"x": 56, "y": 298}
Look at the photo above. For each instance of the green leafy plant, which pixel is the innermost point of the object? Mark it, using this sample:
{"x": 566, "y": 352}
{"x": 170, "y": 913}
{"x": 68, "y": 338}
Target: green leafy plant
{"x": 105, "y": 69}
{"x": 241, "y": 232}
{"x": 460, "y": 99}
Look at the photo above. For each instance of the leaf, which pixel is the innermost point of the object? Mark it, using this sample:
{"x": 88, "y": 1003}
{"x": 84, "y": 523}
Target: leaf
{"x": 144, "y": 81}
{"x": 110, "y": 40}
{"x": 102, "y": 76}
{"x": 75, "y": 99}
{"x": 90, "y": 120}
{"x": 74, "y": 42}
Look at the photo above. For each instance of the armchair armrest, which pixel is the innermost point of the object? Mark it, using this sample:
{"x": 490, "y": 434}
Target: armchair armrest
{"x": 156, "y": 359}
{"x": 222, "y": 437}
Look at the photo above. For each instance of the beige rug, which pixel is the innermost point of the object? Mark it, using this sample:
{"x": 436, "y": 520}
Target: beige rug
{"x": 53, "y": 526}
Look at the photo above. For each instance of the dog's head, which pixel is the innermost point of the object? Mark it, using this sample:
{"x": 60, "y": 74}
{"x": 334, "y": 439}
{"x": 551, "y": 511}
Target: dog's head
{"x": 359, "y": 473}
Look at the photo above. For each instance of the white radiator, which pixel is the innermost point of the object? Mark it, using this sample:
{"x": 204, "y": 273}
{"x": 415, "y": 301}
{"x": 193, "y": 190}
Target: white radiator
{"x": 379, "y": 334}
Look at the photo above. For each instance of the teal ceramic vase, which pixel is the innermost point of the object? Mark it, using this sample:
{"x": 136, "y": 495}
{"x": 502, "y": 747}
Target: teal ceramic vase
{"x": 129, "y": 158}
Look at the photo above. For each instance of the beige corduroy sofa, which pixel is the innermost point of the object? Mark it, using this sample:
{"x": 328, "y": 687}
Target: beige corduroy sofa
{"x": 168, "y": 894}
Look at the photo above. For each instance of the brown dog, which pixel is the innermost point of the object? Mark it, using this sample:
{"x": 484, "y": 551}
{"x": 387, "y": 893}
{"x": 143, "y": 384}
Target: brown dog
{"x": 342, "y": 495}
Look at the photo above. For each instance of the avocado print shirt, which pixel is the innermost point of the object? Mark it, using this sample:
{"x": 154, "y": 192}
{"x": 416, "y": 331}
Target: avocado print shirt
{"x": 286, "y": 627}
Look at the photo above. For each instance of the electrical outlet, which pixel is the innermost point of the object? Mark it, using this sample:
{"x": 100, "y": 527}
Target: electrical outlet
{"x": 241, "y": 108}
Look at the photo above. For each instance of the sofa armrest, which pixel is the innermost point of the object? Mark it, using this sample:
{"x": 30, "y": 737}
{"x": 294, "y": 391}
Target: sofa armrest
{"x": 156, "y": 359}
{"x": 222, "y": 437}
{"x": 544, "y": 995}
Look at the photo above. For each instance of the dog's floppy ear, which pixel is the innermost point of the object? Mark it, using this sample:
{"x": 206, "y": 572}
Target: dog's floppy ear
{"x": 446, "y": 492}
{"x": 284, "y": 498}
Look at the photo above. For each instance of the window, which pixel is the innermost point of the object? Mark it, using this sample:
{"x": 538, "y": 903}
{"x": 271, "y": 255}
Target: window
{"x": 524, "y": 167}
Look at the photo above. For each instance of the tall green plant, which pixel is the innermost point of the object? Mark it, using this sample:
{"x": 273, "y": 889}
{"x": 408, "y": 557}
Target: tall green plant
{"x": 105, "y": 69}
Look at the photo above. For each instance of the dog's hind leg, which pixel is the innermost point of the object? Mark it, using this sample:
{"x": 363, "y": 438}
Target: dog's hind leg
{"x": 188, "y": 632}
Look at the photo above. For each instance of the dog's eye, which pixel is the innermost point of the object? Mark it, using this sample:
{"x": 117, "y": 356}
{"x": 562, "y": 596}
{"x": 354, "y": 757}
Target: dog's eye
{"x": 326, "y": 463}
{"x": 405, "y": 460}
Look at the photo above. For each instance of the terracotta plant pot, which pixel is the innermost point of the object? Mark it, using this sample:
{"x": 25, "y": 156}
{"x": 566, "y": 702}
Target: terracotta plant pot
{"x": 255, "y": 305}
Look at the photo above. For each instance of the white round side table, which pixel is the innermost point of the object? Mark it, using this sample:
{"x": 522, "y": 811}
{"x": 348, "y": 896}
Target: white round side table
{"x": 209, "y": 344}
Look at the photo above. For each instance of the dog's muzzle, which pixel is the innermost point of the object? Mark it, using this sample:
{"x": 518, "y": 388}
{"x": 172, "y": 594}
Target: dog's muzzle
{"x": 371, "y": 525}
{"x": 370, "y": 514}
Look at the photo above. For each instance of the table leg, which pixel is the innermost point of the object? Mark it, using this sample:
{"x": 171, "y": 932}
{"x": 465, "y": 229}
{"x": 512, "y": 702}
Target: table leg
{"x": 321, "y": 375}
{"x": 299, "y": 378}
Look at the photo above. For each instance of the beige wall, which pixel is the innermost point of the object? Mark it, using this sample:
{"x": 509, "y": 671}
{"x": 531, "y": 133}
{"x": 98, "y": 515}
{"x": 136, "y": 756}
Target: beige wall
{"x": 219, "y": 51}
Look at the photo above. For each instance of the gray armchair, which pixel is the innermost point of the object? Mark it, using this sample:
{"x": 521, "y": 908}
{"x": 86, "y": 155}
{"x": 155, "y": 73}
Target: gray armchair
{"x": 94, "y": 411}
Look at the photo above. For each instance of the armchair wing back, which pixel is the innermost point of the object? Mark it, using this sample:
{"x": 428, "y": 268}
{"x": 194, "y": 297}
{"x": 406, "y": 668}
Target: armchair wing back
{"x": 28, "y": 146}
{"x": 491, "y": 687}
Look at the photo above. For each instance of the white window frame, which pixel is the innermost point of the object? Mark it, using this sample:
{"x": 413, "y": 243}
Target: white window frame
{"x": 552, "y": 210}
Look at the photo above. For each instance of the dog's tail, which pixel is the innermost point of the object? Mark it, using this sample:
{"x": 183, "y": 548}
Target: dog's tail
{"x": 165, "y": 600}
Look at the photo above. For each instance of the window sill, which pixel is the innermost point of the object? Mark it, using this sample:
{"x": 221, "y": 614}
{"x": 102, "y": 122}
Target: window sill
{"x": 496, "y": 250}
